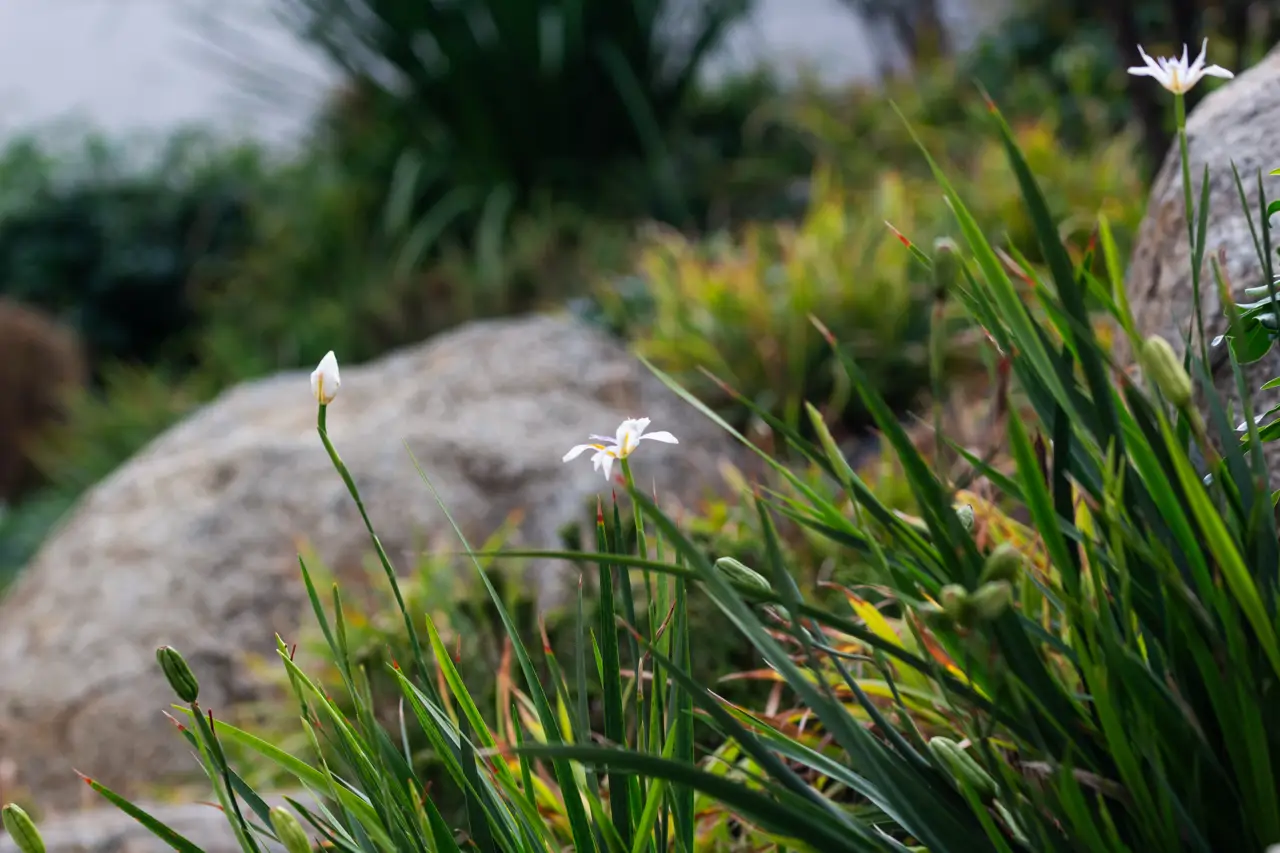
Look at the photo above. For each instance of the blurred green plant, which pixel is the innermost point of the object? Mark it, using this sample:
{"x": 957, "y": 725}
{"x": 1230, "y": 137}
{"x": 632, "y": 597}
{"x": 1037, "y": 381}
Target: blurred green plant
{"x": 116, "y": 237}
{"x": 42, "y": 363}
{"x": 738, "y": 306}
{"x": 493, "y": 102}
{"x": 316, "y": 279}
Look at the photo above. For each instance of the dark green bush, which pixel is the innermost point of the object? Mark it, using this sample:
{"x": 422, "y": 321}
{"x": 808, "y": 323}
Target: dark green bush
{"x": 500, "y": 100}
{"x": 119, "y": 252}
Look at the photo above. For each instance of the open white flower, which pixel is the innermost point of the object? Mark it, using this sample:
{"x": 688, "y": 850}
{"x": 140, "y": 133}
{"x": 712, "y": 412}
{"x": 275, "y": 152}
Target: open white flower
{"x": 325, "y": 380}
{"x": 1174, "y": 73}
{"x": 607, "y": 449}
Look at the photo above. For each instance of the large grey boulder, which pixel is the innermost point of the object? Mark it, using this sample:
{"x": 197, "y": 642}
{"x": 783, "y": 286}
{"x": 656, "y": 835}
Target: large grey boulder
{"x": 194, "y": 542}
{"x": 1240, "y": 123}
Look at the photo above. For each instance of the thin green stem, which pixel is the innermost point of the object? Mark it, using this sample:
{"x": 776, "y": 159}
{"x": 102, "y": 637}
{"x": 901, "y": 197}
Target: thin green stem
{"x": 418, "y": 659}
{"x": 642, "y": 549}
{"x": 1180, "y": 112}
{"x": 641, "y": 544}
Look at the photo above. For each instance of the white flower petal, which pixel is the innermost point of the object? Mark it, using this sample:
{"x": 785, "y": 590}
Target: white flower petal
{"x": 1257, "y": 419}
{"x": 578, "y": 450}
{"x": 1178, "y": 74}
{"x": 663, "y": 436}
{"x": 325, "y": 379}
{"x": 1195, "y": 67}
{"x": 630, "y": 428}
{"x": 607, "y": 463}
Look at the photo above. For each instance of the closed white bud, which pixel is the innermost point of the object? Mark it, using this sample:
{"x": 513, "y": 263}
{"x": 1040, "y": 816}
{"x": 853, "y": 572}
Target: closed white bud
{"x": 325, "y": 380}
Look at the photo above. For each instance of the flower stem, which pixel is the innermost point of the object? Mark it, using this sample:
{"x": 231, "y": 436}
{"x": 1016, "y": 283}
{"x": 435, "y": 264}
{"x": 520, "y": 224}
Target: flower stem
{"x": 642, "y": 549}
{"x": 1180, "y": 113}
{"x": 641, "y": 545}
{"x": 419, "y": 660}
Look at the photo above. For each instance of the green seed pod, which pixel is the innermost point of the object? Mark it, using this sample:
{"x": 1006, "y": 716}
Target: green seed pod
{"x": 22, "y": 829}
{"x": 946, "y": 266}
{"x": 965, "y": 513}
{"x": 1163, "y": 367}
{"x": 1262, "y": 291}
{"x": 289, "y": 831}
{"x": 1003, "y": 564}
{"x": 966, "y": 771}
{"x": 991, "y": 599}
{"x": 180, "y": 677}
{"x": 954, "y": 599}
{"x": 1012, "y": 822}
{"x": 736, "y": 571}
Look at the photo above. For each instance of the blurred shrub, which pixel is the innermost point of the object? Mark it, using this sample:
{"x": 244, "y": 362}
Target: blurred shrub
{"x": 23, "y": 528}
{"x": 741, "y": 307}
{"x": 41, "y": 366}
{"x": 862, "y": 129}
{"x": 116, "y": 242}
{"x": 104, "y": 429}
{"x": 503, "y": 99}
{"x": 1100, "y": 180}
{"x": 734, "y": 156}
{"x": 738, "y": 306}
{"x": 321, "y": 277}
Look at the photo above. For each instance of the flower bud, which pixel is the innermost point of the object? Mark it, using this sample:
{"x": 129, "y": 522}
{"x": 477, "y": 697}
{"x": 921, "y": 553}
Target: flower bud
{"x": 289, "y": 831}
{"x": 991, "y": 599}
{"x": 180, "y": 677}
{"x": 1163, "y": 367}
{"x": 966, "y": 771}
{"x": 22, "y": 829}
{"x": 737, "y": 572}
{"x": 325, "y": 380}
{"x": 946, "y": 266}
{"x": 954, "y": 599}
{"x": 1003, "y": 564}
